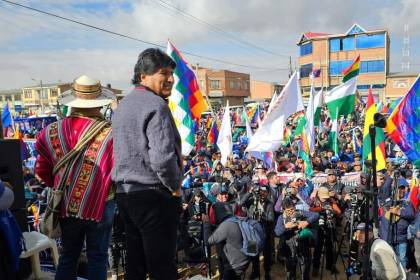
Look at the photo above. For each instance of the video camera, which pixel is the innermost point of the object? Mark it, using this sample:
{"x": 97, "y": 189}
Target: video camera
{"x": 326, "y": 216}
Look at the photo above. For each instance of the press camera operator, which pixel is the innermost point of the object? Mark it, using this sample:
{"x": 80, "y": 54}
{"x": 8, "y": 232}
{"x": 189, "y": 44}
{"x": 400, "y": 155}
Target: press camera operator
{"x": 328, "y": 210}
{"x": 394, "y": 223}
{"x": 259, "y": 207}
{"x": 294, "y": 229}
{"x": 297, "y": 193}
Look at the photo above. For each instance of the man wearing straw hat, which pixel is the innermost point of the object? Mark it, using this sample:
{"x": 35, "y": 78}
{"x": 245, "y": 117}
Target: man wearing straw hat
{"x": 76, "y": 159}
{"x": 148, "y": 169}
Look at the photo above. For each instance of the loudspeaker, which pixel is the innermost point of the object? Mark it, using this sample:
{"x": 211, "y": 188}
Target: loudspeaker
{"x": 11, "y": 171}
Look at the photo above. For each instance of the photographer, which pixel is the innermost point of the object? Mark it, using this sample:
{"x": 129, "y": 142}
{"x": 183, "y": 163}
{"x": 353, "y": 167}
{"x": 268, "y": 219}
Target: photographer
{"x": 336, "y": 188}
{"x": 328, "y": 211}
{"x": 294, "y": 229}
{"x": 297, "y": 193}
{"x": 394, "y": 223}
{"x": 259, "y": 207}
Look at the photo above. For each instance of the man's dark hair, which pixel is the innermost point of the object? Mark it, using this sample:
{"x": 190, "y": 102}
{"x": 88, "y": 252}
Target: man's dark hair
{"x": 149, "y": 62}
{"x": 287, "y": 203}
{"x": 271, "y": 175}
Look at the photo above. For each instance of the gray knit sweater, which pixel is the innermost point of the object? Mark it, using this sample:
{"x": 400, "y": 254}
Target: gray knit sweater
{"x": 147, "y": 145}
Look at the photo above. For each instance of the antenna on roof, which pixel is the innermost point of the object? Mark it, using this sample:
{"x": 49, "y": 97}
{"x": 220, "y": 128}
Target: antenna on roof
{"x": 405, "y": 64}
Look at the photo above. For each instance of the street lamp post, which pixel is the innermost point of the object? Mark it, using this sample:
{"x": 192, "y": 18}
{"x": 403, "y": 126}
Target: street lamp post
{"x": 40, "y": 95}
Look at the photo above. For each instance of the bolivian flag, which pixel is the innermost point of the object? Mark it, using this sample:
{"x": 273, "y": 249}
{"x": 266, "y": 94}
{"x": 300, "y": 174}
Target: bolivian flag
{"x": 352, "y": 71}
{"x": 379, "y": 141}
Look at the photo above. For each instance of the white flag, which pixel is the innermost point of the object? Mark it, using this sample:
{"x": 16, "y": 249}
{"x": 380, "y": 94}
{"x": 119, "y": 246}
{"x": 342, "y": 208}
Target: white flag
{"x": 269, "y": 135}
{"x": 272, "y": 102}
{"x": 224, "y": 141}
{"x": 314, "y": 101}
{"x": 249, "y": 132}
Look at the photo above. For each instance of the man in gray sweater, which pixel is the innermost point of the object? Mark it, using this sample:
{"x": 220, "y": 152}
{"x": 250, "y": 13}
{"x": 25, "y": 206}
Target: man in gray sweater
{"x": 148, "y": 169}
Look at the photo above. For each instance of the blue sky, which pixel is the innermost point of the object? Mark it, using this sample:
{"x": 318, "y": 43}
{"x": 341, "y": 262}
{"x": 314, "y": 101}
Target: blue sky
{"x": 36, "y": 46}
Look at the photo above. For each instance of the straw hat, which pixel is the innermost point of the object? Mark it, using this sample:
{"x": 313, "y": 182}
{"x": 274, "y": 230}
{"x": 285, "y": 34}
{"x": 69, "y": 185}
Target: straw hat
{"x": 86, "y": 93}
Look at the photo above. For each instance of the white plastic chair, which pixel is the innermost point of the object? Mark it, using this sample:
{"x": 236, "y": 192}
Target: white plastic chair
{"x": 35, "y": 243}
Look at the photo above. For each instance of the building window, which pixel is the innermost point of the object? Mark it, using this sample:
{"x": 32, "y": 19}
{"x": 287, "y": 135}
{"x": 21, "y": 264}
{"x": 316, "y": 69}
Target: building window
{"x": 28, "y": 93}
{"x": 348, "y": 43}
{"x": 201, "y": 84}
{"x": 334, "y": 45}
{"x": 342, "y": 44}
{"x": 54, "y": 93}
{"x": 337, "y": 67}
{"x": 232, "y": 84}
{"x": 214, "y": 84}
{"x": 44, "y": 94}
{"x": 246, "y": 87}
{"x": 372, "y": 66}
{"x": 305, "y": 70}
{"x": 370, "y": 41}
{"x": 306, "y": 49}
{"x": 8, "y": 98}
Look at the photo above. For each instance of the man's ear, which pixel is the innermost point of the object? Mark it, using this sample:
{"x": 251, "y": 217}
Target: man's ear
{"x": 142, "y": 77}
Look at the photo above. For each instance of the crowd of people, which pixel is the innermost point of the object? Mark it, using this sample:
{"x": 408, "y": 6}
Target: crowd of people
{"x": 128, "y": 195}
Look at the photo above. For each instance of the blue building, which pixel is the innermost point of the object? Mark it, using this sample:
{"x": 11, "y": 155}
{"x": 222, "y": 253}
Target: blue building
{"x": 332, "y": 53}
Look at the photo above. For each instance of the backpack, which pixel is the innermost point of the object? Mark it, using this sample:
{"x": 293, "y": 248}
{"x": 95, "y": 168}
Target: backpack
{"x": 253, "y": 235}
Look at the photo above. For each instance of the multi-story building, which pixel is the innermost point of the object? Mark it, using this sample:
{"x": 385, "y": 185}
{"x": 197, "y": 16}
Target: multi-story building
{"x": 219, "y": 86}
{"x": 43, "y": 97}
{"x": 332, "y": 53}
{"x": 14, "y": 98}
{"x": 263, "y": 91}
{"x": 397, "y": 84}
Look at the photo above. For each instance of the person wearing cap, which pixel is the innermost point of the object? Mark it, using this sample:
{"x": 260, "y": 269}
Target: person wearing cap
{"x": 88, "y": 203}
{"x": 148, "y": 168}
{"x": 333, "y": 185}
{"x": 357, "y": 166}
{"x": 384, "y": 262}
{"x": 259, "y": 207}
{"x": 394, "y": 223}
{"x": 326, "y": 235}
{"x": 291, "y": 226}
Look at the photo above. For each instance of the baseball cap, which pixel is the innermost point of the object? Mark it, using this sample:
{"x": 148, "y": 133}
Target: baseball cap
{"x": 6, "y": 197}
{"x": 323, "y": 192}
{"x": 361, "y": 226}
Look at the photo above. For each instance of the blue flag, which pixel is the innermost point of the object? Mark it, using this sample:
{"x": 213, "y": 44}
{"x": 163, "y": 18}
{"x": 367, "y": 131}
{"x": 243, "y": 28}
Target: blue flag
{"x": 6, "y": 116}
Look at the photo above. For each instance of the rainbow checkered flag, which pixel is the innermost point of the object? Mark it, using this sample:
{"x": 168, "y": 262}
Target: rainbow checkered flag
{"x": 186, "y": 101}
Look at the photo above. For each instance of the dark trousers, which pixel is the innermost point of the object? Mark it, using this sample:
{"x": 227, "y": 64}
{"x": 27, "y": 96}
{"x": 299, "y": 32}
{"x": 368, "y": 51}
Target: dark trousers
{"x": 326, "y": 240}
{"x": 75, "y": 232}
{"x": 151, "y": 219}
{"x": 297, "y": 253}
{"x": 267, "y": 253}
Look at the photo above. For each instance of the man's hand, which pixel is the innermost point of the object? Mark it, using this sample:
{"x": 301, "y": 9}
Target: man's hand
{"x": 302, "y": 224}
{"x": 184, "y": 206}
{"x": 395, "y": 211}
{"x": 347, "y": 197}
{"x": 290, "y": 225}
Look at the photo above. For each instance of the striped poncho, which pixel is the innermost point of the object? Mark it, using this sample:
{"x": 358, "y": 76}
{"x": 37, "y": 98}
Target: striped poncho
{"x": 89, "y": 181}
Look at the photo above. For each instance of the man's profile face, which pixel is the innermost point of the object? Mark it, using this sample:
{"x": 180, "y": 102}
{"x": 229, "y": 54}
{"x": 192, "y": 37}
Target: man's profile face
{"x": 160, "y": 82}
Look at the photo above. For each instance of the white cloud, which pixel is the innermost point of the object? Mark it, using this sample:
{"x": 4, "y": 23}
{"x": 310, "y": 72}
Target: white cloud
{"x": 38, "y": 46}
